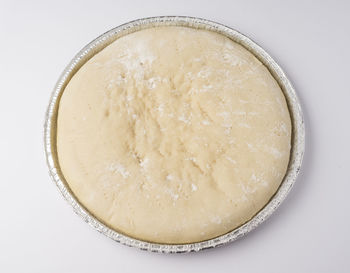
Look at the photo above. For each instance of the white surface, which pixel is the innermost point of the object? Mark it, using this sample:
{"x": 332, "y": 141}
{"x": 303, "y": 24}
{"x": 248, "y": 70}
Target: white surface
{"x": 308, "y": 233}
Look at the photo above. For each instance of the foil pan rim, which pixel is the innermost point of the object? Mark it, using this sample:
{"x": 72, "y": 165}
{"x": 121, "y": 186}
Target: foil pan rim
{"x": 298, "y": 131}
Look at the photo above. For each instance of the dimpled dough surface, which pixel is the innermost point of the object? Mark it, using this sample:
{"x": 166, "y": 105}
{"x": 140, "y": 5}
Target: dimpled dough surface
{"x": 173, "y": 135}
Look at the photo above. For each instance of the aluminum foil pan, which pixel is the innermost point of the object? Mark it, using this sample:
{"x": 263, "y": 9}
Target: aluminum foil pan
{"x": 298, "y": 131}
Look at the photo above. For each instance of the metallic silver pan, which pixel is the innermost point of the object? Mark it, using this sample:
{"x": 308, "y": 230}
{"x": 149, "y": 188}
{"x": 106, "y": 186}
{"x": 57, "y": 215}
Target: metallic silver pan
{"x": 298, "y": 131}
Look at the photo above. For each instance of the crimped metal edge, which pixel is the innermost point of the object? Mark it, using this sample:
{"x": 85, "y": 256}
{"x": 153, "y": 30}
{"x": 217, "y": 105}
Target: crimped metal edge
{"x": 298, "y": 131}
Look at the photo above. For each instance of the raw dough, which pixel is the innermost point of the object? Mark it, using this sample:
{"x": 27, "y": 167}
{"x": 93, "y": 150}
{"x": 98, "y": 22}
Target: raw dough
{"x": 173, "y": 135}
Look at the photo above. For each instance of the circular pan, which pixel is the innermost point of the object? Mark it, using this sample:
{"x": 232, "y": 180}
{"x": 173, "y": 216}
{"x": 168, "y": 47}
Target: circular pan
{"x": 297, "y": 141}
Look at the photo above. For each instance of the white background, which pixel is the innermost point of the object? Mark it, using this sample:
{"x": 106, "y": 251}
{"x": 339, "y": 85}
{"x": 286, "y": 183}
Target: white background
{"x": 310, "y": 231}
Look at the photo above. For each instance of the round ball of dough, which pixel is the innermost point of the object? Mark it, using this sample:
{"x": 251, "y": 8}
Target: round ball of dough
{"x": 173, "y": 135}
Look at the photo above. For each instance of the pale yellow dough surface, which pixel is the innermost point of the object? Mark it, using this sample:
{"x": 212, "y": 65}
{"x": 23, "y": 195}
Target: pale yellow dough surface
{"x": 173, "y": 135}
